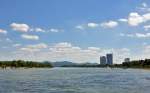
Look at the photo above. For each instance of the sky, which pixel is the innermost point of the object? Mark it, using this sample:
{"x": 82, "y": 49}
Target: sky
{"x": 74, "y": 30}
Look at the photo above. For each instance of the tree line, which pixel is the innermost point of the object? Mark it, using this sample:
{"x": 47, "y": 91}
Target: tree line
{"x": 137, "y": 64}
{"x": 132, "y": 64}
{"x": 22, "y": 63}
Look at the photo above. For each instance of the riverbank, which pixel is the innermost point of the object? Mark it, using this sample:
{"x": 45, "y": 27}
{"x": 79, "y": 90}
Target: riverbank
{"x": 24, "y": 64}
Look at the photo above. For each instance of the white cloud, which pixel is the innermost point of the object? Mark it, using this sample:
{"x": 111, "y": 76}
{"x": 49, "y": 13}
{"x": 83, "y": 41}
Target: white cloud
{"x": 29, "y": 49}
{"x": 140, "y": 35}
{"x": 39, "y": 46}
{"x": 80, "y": 27}
{"x": 109, "y": 24}
{"x": 63, "y": 44}
{"x": 126, "y": 35}
{"x": 55, "y": 30}
{"x": 94, "y": 48}
{"x": 76, "y": 48}
{"x": 134, "y": 19}
{"x": 136, "y": 35}
{"x": 92, "y": 25}
{"x": 67, "y": 51}
{"x": 30, "y": 37}
{"x": 39, "y": 29}
{"x": 120, "y": 54}
{"x": 20, "y": 27}
{"x": 144, "y": 4}
{"x": 146, "y": 49}
{"x": 144, "y": 53}
{"x": 121, "y": 34}
{"x": 125, "y": 50}
{"x": 16, "y": 45}
{"x": 33, "y": 48}
{"x": 146, "y": 17}
{"x": 130, "y": 35}
{"x": 123, "y": 20}
{"x": 144, "y": 7}
{"x": 147, "y": 27}
{"x": 87, "y": 26}
{"x": 46, "y": 30}
{"x": 3, "y": 31}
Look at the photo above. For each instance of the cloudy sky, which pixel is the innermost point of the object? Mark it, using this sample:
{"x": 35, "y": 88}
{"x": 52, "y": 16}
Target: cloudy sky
{"x": 74, "y": 30}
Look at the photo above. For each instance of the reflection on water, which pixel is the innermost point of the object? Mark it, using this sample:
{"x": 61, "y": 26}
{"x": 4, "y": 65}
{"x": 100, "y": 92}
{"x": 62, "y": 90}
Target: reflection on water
{"x": 74, "y": 80}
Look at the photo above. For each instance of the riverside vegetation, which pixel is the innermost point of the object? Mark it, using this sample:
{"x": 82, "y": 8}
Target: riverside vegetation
{"x": 137, "y": 64}
{"x": 21, "y": 63}
{"x": 134, "y": 64}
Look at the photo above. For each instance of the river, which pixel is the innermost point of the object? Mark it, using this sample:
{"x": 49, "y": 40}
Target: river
{"x": 74, "y": 80}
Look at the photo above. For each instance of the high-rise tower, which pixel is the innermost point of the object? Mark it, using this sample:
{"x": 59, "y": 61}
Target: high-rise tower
{"x": 103, "y": 60}
{"x": 109, "y": 59}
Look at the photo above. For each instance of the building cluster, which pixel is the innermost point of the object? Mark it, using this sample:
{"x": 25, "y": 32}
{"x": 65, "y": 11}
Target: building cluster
{"x": 106, "y": 60}
{"x": 127, "y": 60}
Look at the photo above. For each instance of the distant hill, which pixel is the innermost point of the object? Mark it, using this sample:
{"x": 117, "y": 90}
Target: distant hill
{"x": 71, "y": 64}
{"x": 62, "y": 63}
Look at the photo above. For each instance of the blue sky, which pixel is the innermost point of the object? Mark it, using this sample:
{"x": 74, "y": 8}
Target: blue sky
{"x": 74, "y": 30}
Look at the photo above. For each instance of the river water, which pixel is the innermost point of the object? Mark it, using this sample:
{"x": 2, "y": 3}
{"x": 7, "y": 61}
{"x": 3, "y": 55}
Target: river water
{"x": 74, "y": 80}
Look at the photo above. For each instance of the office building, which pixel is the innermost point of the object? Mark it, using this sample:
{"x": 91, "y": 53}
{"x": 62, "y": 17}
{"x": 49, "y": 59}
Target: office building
{"x": 109, "y": 59}
{"x": 103, "y": 60}
{"x": 127, "y": 60}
